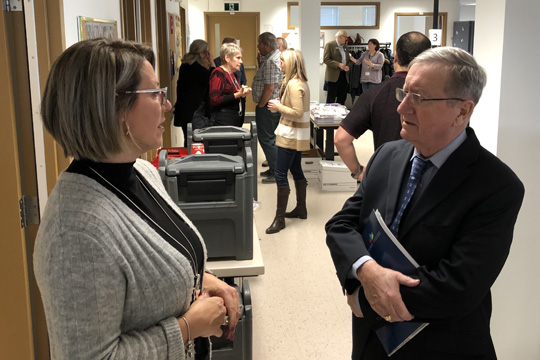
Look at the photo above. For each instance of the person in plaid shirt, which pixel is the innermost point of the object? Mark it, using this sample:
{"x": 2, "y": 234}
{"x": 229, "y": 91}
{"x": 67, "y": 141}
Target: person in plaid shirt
{"x": 265, "y": 87}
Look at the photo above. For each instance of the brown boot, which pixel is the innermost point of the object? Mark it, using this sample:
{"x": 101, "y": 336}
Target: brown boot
{"x": 300, "y": 211}
{"x": 282, "y": 199}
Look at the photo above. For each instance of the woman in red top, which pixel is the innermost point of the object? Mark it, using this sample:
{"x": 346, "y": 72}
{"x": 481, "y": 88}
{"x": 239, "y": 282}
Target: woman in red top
{"x": 225, "y": 88}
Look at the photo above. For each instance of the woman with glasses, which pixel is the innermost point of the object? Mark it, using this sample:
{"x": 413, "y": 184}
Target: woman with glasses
{"x": 192, "y": 104}
{"x": 292, "y": 137}
{"x": 120, "y": 268}
{"x": 225, "y": 89}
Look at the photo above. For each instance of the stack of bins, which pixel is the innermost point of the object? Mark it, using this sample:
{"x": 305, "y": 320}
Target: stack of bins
{"x": 241, "y": 348}
{"x": 229, "y": 140}
{"x": 215, "y": 191}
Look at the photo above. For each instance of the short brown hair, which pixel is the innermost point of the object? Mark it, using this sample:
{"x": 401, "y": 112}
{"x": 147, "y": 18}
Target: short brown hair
{"x": 84, "y": 97}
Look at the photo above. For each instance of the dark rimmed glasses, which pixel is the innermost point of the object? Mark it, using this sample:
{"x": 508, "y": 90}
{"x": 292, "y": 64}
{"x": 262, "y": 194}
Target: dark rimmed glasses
{"x": 162, "y": 92}
{"x": 417, "y": 99}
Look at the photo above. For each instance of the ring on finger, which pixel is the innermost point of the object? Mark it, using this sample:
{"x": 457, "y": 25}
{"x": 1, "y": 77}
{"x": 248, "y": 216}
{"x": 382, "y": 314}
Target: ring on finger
{"x": 226, "y": 321}
{"x": 388, "y": 318}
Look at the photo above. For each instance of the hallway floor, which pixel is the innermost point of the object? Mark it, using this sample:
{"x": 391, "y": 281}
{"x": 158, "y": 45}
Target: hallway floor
{"x": 299, "y": 311}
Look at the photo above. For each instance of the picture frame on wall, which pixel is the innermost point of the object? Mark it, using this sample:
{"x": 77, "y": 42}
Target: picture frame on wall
{"x": 91, "y": 28}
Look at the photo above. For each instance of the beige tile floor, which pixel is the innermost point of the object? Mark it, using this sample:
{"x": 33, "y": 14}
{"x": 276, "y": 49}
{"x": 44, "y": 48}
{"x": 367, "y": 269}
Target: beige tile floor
{"x": 298, "y": 309}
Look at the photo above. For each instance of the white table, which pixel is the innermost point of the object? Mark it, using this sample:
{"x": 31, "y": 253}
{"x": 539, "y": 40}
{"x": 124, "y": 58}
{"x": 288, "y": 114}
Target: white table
{"x": 240, "y": 268}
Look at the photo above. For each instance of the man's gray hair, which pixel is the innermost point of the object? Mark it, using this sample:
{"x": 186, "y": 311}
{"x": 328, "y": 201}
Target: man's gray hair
{"x": 341, "y": 33}
{"x": 267, "y": 38}
{"x": 466, "y": 78}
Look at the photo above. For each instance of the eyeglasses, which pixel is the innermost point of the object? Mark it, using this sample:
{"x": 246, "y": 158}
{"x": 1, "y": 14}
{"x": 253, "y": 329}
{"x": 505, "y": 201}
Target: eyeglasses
{"x": 417, "y": 99}
{"x": 162, "y": 92}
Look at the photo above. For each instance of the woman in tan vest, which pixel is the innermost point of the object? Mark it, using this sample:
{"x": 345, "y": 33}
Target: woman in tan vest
{"x": 292, "y": 137}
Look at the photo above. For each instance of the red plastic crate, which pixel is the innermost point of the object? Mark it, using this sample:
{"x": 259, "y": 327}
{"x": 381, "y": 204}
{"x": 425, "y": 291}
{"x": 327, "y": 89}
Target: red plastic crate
{"x": 171, "y": 153}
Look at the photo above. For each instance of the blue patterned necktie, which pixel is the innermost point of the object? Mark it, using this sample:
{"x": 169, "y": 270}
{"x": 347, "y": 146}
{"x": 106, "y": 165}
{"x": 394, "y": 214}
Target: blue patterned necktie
{"x": 417, "y": 170}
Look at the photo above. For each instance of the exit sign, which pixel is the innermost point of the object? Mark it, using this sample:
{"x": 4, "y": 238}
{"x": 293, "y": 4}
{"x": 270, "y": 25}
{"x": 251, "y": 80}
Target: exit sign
{"x": 232, "y": 6}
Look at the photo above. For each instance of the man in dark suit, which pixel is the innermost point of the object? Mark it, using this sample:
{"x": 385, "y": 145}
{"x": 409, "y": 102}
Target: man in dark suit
{"x": 458, "y": 224}
{"x": 336, "y": 57}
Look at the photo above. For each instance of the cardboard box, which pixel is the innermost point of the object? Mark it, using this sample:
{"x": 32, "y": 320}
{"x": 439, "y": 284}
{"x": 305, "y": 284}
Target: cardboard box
{"x": 310, "y": 163}
{"x": 311, "y": 153}
{"x": 335, "y": 176}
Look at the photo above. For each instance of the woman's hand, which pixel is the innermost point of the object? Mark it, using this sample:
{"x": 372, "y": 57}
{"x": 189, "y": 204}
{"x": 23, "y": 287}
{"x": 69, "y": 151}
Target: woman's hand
{"x": 273, "y": 105}
{"x": 369, "y": 63}
{"x": 215, "y": 287}
{"x": 205, "y": 316}
{"x": 244, "y": 90}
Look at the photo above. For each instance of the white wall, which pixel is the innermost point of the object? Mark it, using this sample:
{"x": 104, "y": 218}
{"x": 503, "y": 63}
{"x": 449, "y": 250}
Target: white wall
{"x": 98, "y": 9}
{"x": 508, "y": 122}
{"x": 467, "y": 13}
{"x": 309, "y": 32}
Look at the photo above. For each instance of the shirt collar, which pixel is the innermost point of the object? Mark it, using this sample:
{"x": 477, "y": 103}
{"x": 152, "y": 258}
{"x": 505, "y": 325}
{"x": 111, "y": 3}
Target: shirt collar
{"x": 270, "y": 54}
{"x": 439, "y": 158}
{"x": 400, "y": 74}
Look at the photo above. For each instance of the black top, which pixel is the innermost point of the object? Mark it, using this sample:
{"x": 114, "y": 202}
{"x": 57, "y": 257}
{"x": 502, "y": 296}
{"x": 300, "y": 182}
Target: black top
{"x": 191, "y": 91}
{"x": 129, "y": 183}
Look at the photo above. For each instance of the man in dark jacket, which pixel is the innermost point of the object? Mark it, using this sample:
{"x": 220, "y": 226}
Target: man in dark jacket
{"x": 457, "y": 222}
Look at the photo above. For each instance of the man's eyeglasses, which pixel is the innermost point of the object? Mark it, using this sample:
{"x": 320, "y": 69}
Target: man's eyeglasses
{"x": 162, "y": 92}
{"x": 417, "y": 99}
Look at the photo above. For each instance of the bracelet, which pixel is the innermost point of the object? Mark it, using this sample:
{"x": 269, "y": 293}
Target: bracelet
{"x": 189, "y": 344}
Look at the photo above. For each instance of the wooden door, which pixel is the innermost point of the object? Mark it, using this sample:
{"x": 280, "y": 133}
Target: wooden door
{"x": 243, "y": 26}
{"x": 16, "y": 333}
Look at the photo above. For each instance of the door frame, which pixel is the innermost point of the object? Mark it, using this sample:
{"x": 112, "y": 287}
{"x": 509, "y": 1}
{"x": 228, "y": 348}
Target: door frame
{"x": 24, "y": 334}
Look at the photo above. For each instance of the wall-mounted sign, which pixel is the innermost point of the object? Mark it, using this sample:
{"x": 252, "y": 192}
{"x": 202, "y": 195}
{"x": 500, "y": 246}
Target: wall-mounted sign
{"x": 232, "y": 6}
{"x": 435, "y": 35}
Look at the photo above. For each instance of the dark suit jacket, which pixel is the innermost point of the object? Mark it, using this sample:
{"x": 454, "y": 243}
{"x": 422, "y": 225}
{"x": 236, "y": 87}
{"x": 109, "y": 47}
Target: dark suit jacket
{"x": 459, "y": 231}
{"x": 332, "y": 59}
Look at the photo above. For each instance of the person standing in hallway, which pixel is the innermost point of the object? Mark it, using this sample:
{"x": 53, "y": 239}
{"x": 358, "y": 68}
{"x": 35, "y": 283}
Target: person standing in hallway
{"x": 372, "y": 62}
{"x": 240, "y": 73}
{"x": 376, "y": 110}
{"x": 282, "y": 44}
{"x": 452, "y": 205}
{"x": 336, "y": 57}
{"x": 120, "y": 268}
{"x": 265, "y": 87}
{"x": 225, "y": 89}
{"x": 292, "y": 137}
{"x": 192, "y": 86}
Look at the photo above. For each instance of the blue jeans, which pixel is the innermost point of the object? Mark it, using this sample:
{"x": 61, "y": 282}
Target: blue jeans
{"x": 367, "y": 85}
{"x": 288, "y": 159}
{"x": 267, "y": 123}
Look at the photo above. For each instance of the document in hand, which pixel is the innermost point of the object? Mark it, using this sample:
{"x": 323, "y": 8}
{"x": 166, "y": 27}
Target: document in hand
{"x": 389, "y": 253}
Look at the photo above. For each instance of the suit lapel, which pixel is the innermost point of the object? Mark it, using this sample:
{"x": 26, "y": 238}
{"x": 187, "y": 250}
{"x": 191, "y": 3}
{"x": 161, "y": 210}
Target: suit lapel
{"x": 456, "y": 169}
{"x": 398, "y": 165}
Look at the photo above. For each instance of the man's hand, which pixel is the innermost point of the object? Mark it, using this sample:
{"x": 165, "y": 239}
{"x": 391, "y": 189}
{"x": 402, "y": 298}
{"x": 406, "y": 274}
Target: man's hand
{"x": 343, "y": 67}
{"x": 351, "y": 300}
{"x": 381, "y": 287}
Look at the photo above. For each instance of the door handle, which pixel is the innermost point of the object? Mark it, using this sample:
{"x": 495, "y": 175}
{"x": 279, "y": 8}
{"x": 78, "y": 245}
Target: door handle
{"x": 250, "y": 67}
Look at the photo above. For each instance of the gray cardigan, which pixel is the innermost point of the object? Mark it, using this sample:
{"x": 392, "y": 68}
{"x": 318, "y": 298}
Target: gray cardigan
{"x": 112, "y": 288}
